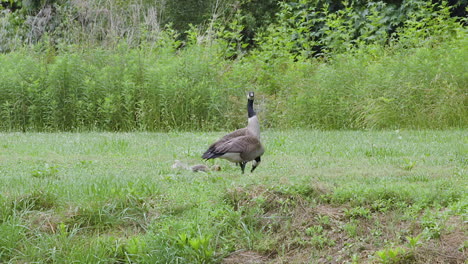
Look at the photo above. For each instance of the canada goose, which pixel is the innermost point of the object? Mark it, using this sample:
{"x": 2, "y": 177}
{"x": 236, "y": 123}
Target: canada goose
{"x": 242, "y": 145}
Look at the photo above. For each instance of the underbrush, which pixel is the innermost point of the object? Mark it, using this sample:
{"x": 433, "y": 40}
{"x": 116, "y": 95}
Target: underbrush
{"x": 275, "y": 224}
{"x": 372, "y": 65}
{"x": 302, "y": 228}
{"x": 153, "y": 89}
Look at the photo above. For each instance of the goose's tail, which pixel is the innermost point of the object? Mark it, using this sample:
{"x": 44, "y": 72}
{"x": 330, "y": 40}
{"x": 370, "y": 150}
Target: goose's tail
{"x": 210, "y": 154}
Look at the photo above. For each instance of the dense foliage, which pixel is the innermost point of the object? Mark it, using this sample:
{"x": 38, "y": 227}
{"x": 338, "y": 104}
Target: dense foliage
{"x": 118, "y": 65}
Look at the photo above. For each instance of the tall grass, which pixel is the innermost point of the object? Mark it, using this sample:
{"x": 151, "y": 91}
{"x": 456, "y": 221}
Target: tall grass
{"x": 158, "y": 88}
{"x": 414, "y": 77}
{"x": 125, "y": 89}
{"x": 380, "y": 88}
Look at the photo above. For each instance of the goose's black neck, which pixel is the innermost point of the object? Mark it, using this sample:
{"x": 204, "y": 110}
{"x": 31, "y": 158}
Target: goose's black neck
{"x": 250, "y": 109}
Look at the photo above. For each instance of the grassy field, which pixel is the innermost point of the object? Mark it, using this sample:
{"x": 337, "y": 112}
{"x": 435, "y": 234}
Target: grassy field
{"x": 317, "y": 197}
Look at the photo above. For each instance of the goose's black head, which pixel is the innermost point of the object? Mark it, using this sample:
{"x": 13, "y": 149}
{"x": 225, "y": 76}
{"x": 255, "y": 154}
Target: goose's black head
{"x": 250, "y": 100}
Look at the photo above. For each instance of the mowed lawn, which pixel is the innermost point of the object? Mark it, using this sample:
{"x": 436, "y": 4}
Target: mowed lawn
{"x": 317, "y": 197}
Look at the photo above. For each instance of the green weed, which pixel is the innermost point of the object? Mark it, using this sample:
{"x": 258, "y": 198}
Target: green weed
{"x": 433, "y": 226}
{"x": 357, "y": 212}
{"x": 47, "y": 172}
{"x": 392, "y": 255}
{"x": 318, "y": 238}
{"x": 351, "y": 228}
{"x": 414, "y": 242}
{"x": 408, "y": 164}
{"x": 36, "y": 200}
{"x": 196, "y": 248}
{"x": 11, "y": 234}
{"x": 324, "y": 220}
{"x": 314, "y": 230}
{"x": 377, "y": 151}
{"x": 135, "y": 247}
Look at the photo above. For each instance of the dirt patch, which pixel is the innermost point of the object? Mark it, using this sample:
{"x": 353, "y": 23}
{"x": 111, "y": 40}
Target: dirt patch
{"x": 303, "y": 229}
{"x": 333, "y": 212}
{"x": 298, "y": 226}
{"x": 245, "y": 257}
{"x": 44, "y": 221}
{"x": 272, "y": 200}
{"x": 449, "y": 248}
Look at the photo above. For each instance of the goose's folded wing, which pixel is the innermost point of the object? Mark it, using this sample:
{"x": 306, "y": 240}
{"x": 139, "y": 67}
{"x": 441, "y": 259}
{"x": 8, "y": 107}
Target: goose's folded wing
{"x": 238, "y": 145}
{"x": 238, "y": 133}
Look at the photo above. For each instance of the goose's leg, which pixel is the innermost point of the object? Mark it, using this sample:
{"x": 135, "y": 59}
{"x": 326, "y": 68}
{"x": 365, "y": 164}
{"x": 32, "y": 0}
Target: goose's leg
{"x": 255, "y": 163}
{"x": 242, "y": 165}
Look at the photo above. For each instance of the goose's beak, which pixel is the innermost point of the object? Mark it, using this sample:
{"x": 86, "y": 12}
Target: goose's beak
{"x": 255, "y": 163}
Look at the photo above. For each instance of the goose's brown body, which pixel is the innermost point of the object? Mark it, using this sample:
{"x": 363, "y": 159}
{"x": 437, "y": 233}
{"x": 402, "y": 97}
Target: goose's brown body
{"x": 242, "y": 145}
